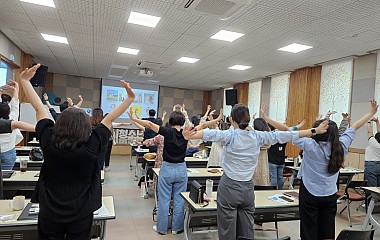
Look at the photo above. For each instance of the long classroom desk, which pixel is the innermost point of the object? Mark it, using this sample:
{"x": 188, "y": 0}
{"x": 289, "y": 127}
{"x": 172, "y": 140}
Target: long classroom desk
{"x": 347, "y": 171}
{"x": 198, "y": 174}
{"x": 191, "y": 162}
{"x": 23, "y": 150}
{"x": 370, "y": 221}
{"x": 266, "y": 210}
{"x": 24, "y": 181}
{"x": 32, "y": 165}
{"x": 13, "y": 229}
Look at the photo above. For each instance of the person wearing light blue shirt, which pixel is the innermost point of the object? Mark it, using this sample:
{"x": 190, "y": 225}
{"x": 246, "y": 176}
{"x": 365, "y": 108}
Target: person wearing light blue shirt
{"x": 323, "y": 156}
{"x": 241, "y": 148}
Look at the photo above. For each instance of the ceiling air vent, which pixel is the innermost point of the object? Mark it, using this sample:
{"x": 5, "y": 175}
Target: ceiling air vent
{"x": 149, "y": 64}
{"x": 221, "y": 9}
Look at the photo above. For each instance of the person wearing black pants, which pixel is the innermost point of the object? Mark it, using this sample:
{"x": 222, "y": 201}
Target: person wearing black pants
{"x": 108, "y": 155}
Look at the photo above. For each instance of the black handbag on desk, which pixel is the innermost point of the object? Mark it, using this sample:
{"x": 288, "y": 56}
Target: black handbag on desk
{"x": 196, "y": 192}
{"x": 36, "y": 155}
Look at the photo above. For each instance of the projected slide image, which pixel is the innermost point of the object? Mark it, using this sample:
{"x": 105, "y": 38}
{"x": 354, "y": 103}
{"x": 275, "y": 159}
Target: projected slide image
{"x": 145, "y": 99}
{"x": 137, "y": 110}
{"x": 148, "y": 99}
{"x": 112, "y": 95}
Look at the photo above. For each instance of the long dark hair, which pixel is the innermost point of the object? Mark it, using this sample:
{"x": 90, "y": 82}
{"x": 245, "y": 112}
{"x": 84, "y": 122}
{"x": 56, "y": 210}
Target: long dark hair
{"x": 259, "y": 124}
{"x": 5, "y": 110}
{"x": 240, "y": 114}
{"x": 72, "y": 128}
{"x": 97, "y": 116}
{"x": 332, "y": 136}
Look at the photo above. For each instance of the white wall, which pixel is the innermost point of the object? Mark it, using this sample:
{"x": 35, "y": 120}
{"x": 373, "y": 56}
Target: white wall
{"x": 254, "y": 98}
{"x": 7, "y": 48}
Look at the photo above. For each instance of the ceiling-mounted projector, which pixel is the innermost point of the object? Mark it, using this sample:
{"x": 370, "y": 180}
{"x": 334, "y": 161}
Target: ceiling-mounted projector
{"x": 145, "y": 72}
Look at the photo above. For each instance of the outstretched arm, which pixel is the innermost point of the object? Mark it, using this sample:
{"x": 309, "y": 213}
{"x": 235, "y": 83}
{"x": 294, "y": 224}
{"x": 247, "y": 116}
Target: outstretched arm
{"x": 142, "y": 128}
{"x": 144, "y": 123}
{"x": 80, "y": 102}
{"x": 373, "y": 109}
{"x": 31, "y": 95}
{"x": 116, "y": 112}
{"x": 163, "y": 116}
{"x": 369, "y": 129}
{"x": 47, "y": 100}
{"x": 377, "y": 125}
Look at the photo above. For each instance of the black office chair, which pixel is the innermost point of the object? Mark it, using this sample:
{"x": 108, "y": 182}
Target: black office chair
{"x": 346, "y": 234}
{"x": 354, "y": 193}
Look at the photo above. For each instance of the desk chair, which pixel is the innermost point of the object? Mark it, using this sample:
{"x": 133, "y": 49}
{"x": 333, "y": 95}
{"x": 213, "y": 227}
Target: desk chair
{"x": 356, "y": 234}
{"x": 266, "y": 215}
{"x": 354, "y": 193}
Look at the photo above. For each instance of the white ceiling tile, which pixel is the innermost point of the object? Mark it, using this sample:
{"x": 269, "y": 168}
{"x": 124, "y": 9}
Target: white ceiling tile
{"x": 78, "y": 28}
{"x": 12, "y": 6}
{"x": 109, "y": 12}
{"x": 166, "y": 35}
{"x": 77, "y": 18}
{"x": 194, "y": 40}
{"x": 83, "y": 7}
{"x": 36, "y": 10}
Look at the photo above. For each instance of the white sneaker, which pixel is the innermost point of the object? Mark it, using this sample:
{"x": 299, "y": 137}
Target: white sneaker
{"x": 155, "y": 229}
{"x": 107, "y": 169}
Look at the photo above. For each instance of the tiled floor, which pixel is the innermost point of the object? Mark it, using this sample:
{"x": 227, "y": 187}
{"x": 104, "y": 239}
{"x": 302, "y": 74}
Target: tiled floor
{"x": 134, "y": 214}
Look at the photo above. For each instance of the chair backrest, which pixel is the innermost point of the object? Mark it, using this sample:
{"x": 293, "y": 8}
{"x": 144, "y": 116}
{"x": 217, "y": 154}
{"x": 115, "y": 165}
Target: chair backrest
{"x": 346, "y": 234}
{"x": 283, "y": 238}
{"x": 258, "y": 188}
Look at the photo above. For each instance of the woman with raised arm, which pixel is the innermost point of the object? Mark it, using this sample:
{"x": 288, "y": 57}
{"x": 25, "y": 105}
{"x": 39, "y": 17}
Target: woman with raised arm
{"x": 323, "y": 157}
{"x": 8, "y": 141}
{"x": 241, "y": 148}
{"x": 372, "y": 155}
{"x": 69, "y": 189}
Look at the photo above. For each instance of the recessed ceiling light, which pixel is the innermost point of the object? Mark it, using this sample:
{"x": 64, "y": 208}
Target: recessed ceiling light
{"x": 128, "y": 50}
{"x": 188, "y": 60}
{"x": 53, "y": 38}
{"x": 47, "y": 3}
{"x": 295, "y": 48}
{"x": 227, "y": 35}
{"x": 240, "y": 67}
{"x": 143, "y": 19}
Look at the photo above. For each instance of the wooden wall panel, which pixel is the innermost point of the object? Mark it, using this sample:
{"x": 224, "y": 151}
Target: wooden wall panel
{"x": 303, "y": 100}
{"x": 49, "y": 83}
{"x": 207, "y": 99}
{"x": 242, "y": 92}
{"x": 26, "y": 61}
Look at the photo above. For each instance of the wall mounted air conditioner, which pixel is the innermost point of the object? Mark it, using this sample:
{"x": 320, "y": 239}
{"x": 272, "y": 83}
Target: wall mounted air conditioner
{"x": 221, "y": 9}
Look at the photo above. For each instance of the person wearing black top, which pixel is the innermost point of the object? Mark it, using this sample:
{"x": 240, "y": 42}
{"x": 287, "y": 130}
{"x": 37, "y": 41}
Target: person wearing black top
{"x": 173, "y": 172}
{"x": 276, "y": 158}
{"x": 68, "y": 189}
{"x": 149, "y": 133}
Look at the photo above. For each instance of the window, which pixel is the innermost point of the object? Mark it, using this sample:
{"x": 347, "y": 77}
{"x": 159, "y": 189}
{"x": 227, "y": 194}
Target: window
{"x": 6, "y": 73}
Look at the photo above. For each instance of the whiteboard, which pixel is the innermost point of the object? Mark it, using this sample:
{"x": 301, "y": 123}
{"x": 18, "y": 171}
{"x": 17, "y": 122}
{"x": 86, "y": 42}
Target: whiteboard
{"x": 28, "y": 114}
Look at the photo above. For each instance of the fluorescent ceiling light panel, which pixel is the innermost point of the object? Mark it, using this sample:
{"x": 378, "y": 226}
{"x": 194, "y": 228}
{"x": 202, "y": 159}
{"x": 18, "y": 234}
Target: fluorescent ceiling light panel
{"x": 143, "y": 19}
{"x": 227, "y": 35}
{"x": 47, "y": 3}
{"x": 128, "y": 50}
{"x": 188, "y": 60}
{"x": 240, "y": 67}
{"x": 295, "y": 48}
{"x": 53, "y": 38}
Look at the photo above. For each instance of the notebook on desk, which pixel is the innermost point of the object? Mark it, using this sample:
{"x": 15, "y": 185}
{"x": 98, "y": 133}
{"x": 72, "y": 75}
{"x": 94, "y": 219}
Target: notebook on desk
{"x": 7, "y": 173}
{"x": 291, "y": 194}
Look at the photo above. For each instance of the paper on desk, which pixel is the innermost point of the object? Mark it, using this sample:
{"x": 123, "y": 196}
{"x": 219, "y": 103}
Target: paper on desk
{"x": 192, "y": 170}
{"x": 277, "y": 198}
{"x": 102, "y": 211}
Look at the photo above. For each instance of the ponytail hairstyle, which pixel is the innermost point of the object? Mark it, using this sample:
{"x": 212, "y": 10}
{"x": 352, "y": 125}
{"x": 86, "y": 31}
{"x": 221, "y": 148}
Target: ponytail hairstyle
{"x": 332, "y": 136}
{"x": 259, "y": 124}
{"x": 240, "y": 114}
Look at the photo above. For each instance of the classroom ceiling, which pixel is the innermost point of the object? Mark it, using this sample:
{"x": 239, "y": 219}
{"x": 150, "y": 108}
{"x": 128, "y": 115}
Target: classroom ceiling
{"x": 95, "y": 29}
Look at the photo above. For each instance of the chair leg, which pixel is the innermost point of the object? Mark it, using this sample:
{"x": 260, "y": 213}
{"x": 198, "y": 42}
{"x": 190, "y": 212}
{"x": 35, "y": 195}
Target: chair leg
{"x": 360, "y": 205}
{"x": 349, "y": 213}
{"x": 276, "y": 226}
{"x": 343, "y": 208}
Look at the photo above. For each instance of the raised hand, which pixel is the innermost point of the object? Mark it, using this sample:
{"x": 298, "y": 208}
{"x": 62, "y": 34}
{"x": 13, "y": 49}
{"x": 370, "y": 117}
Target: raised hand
{"x": 130, "y": 92}
{"x": 46, "y": 97}
{"x": 263, "y": 109}
{"x": 374, "y": 107}
{"x": 80, "y": 97}
{"x": 212, "y": 112}
{"x": 28, "y": 73}
{"x": 6, "y": 89}
{"x": 322, "y": 128}
{"x": 70, "y": 101}
{"x": 130, "y": 114}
